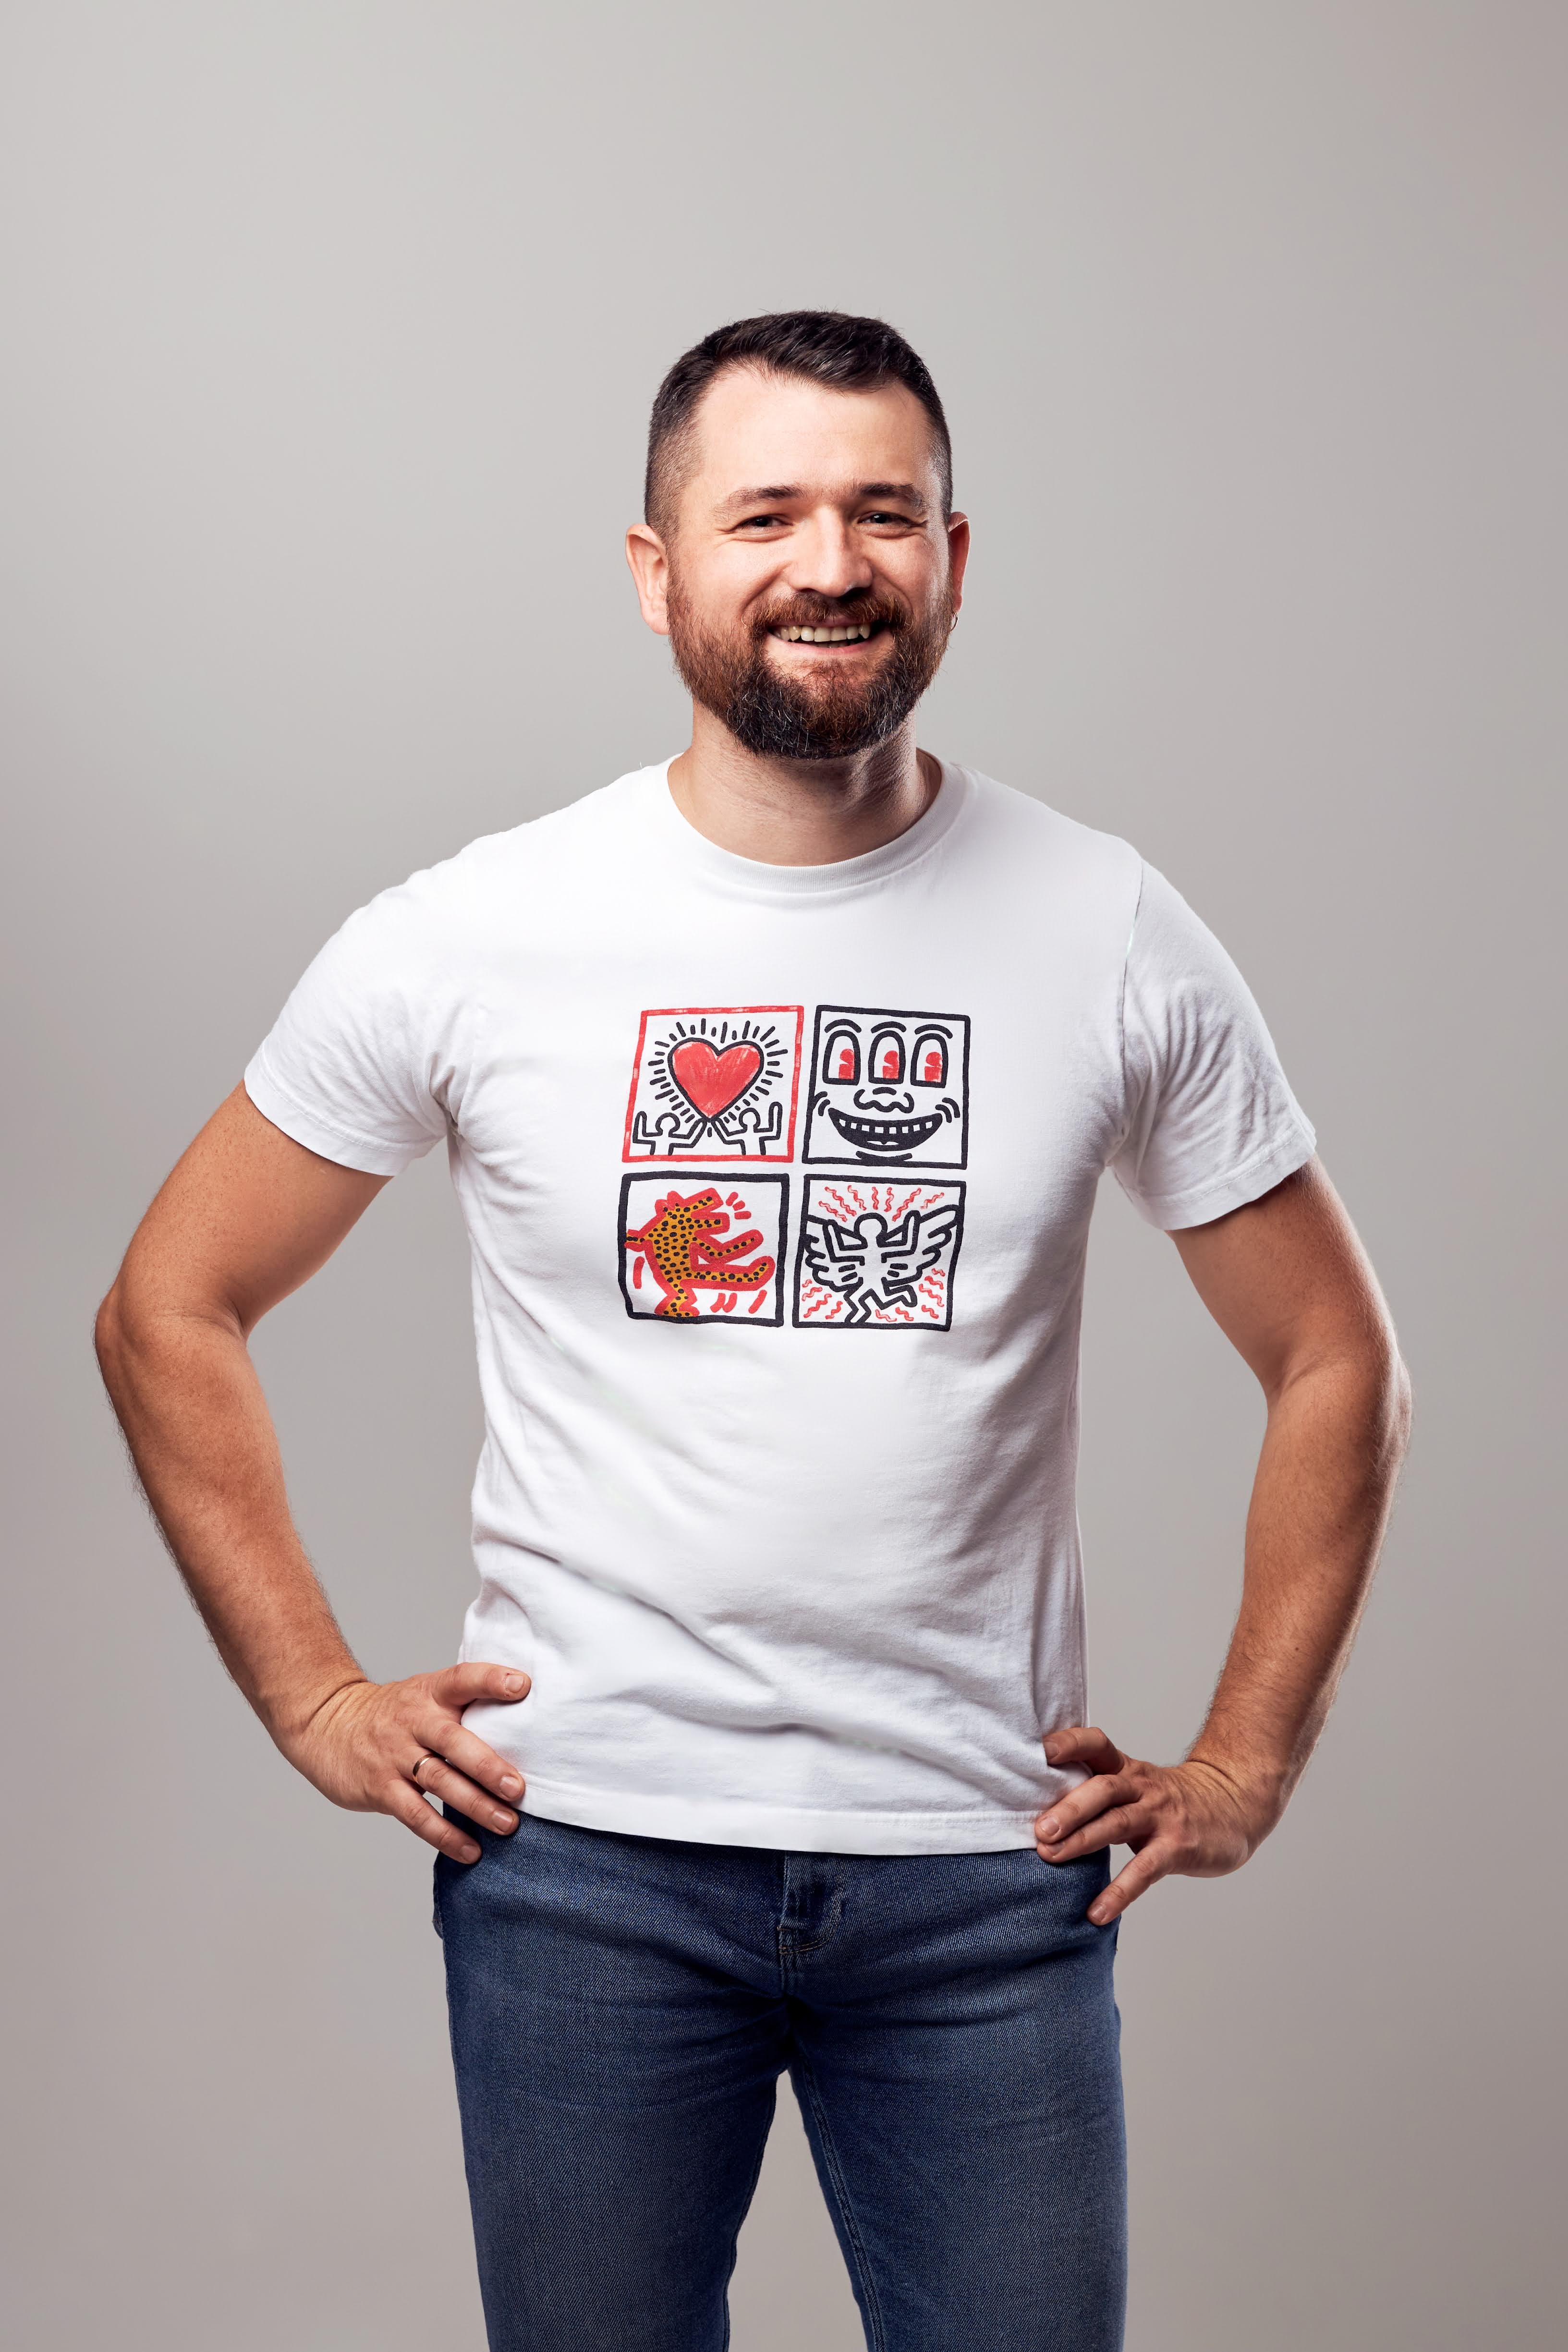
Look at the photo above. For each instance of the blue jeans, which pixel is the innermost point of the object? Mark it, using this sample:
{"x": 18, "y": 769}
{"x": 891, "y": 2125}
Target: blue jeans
{"x": 622, "y": 2008}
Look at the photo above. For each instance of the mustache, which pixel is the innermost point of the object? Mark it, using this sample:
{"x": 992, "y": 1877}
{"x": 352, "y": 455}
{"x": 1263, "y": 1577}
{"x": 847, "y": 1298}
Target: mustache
{"x": 832, "y": 613}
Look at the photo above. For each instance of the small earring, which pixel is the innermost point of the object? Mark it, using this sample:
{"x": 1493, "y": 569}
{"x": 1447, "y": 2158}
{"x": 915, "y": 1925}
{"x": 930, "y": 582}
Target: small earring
{"x": 953, "y": 624}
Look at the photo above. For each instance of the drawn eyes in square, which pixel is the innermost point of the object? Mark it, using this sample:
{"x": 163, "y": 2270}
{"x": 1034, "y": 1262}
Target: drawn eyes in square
{"x": 928, "y": 1064}
{"x": 885, "y": 1060}
{"x": 841, "y": 1057}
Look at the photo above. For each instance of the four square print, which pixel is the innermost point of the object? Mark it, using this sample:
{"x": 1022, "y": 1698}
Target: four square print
{"x": 887, "y": 1097}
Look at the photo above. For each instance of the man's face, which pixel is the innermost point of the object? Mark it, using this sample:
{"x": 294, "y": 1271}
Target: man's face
{"x": 810, "y": 512}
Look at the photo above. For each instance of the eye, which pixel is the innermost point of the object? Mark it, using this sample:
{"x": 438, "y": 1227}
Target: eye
{"x": 763, "y": 523}
{"x": 929, "y": 1067}
{"x": 841, "y": 1061}
{"x": 888, "y": 1058}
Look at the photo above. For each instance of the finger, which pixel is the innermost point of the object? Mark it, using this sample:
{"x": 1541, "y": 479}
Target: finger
{"x": 1124, "y": 1826}
{"x": 446, "y": 1738}
{"x": 405, "y": 1803}
{"x": 1081, "y": 1804}
{"x": 465, "y": 1685}
{"x": 1086, "y": 1744}
{"x": 437, "y": 1778}
{"x": 1136, "y": 1878}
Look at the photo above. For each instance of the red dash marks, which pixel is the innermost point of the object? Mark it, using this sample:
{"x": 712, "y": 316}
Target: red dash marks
{"x": 877, "y": 1254}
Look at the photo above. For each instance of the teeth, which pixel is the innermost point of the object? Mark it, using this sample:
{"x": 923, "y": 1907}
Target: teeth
{"x": 825, "y": 637}
{"x": 892, "y": 1130}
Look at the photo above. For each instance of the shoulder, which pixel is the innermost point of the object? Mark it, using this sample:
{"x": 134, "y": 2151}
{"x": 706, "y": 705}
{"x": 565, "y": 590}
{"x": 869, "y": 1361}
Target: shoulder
{"x": 503, "y": 885}
{"x": 1093, "y": 878}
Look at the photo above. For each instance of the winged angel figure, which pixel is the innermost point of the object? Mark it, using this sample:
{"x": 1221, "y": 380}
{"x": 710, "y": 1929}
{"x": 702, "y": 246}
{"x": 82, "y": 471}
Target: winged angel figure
{"x": 873, "y": 1266}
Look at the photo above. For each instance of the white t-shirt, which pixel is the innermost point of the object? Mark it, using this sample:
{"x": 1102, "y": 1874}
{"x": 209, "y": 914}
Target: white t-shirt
{"x": 715, "y": 1126}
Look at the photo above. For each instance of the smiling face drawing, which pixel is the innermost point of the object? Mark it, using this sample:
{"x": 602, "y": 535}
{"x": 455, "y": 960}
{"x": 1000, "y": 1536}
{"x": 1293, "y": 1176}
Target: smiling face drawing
{"x": 889, "y": 1089}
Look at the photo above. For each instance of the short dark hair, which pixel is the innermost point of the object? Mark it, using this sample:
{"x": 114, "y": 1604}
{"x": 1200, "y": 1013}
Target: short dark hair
{"x": 829, "y": 347}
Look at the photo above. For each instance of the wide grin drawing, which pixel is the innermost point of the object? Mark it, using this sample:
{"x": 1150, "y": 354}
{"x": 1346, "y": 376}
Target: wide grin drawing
{"x": 888, "y": 1089}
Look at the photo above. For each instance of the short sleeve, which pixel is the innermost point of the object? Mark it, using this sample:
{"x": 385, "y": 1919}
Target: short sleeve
{"x": 1211, "y": 1122}
{"x": 358, "y": 1066}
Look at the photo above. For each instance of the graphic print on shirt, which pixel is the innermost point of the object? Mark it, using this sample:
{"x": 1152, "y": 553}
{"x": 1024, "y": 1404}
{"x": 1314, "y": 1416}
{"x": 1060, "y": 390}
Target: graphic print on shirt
{"x": 709, "y": 1248}
{"x": 889, "y": 1089}
{"x": 715, "y": 1082}
{"x": 877, "y": 1256}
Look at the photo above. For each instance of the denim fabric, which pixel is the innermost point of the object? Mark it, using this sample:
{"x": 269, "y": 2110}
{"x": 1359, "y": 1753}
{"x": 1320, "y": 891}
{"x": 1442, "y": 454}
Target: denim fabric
{"x": 622, "y": 2008}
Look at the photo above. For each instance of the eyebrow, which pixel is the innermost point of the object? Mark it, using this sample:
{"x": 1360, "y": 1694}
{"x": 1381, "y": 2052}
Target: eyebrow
{"x": 905, "y": 490}
{"x": 779, "y": 493}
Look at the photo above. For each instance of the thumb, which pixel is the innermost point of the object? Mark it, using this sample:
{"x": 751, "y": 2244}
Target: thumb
{"x": 465, "y": 1685}
{"x": 1083, "y": 1744}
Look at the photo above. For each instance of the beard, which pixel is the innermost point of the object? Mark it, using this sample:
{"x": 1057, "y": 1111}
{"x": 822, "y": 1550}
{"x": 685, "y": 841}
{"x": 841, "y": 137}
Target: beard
{"x": 829, "y": 717}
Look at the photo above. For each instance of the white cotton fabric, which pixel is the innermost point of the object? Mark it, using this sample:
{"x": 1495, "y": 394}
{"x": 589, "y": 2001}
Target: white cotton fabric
{"x": 801, "y": 1569}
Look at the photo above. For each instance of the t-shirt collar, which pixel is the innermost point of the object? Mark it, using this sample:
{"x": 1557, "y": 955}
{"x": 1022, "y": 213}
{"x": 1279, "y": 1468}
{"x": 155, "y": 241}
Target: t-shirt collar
{"x": 750, "y": 877}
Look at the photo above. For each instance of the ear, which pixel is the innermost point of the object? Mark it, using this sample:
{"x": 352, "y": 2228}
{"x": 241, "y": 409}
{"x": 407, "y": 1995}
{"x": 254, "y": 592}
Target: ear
{"x": 650, "y": 569}
{"x": 957, "y": 554}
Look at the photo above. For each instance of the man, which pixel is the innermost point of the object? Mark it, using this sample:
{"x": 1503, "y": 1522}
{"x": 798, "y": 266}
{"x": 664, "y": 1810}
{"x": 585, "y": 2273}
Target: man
{"x": 768, "y": 1748}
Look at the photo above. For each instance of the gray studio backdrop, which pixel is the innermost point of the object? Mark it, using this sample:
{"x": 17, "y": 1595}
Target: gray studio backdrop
{"x": 330, "y": 331}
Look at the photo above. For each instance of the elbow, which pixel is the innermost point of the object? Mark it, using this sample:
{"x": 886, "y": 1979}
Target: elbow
{"x": 114, "y": 1342}
{"x": 108, "y": 1336}
{"x": 1359, "y": 1378}
{"x": 145, "y": 1325}
{"x": 1401, "y": 1403}
{"x": 1388, "y": 1395}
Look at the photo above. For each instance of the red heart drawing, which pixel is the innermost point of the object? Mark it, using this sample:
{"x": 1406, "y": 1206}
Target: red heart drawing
{"x": 709, "y": 1081}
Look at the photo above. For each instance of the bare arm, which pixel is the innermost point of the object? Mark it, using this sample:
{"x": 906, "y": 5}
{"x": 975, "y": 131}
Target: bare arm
{"x": 247, "y": 1216}
{"x": 1289, "y": 1284}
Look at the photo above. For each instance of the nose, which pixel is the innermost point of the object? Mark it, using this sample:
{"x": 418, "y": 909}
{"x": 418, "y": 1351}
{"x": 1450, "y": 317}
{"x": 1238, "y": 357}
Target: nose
{"x": 825, "y": 561}
{"x": 879, "y": 1095}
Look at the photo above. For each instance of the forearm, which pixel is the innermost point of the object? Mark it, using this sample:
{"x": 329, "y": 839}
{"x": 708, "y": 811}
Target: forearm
{"x": 1287, "y": 1282}
{"x": 1321, "y": 1501}
{"x": 247, "y": 1217}
{"x": 191, "y": 1405}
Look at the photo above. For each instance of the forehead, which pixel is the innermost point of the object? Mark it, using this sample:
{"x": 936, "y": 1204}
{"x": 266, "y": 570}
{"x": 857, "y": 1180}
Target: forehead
{"x": 757, "y": 429}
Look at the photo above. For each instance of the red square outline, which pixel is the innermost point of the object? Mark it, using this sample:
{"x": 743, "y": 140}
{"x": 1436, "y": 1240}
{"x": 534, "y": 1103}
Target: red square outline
{"x": 686, "y": 1012}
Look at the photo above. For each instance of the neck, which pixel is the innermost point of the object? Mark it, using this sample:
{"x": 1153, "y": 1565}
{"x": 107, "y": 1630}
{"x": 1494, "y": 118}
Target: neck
{"x": 800, "y": 812}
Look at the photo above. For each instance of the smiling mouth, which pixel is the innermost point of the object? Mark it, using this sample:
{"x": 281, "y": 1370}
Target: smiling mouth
{"x": 857, "y": 635}
{"x": 889, "y": 1137}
